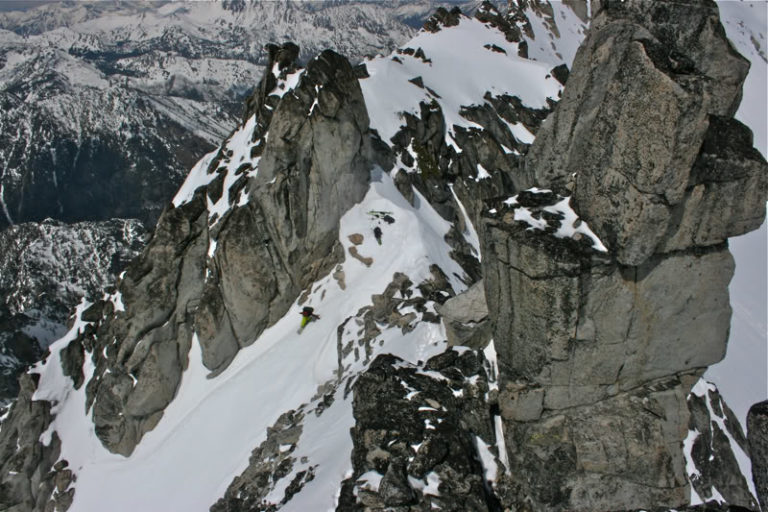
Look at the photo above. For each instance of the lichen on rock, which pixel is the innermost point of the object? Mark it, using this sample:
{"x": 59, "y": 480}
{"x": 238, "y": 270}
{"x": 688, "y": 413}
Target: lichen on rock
{"x": 599, "y": 350}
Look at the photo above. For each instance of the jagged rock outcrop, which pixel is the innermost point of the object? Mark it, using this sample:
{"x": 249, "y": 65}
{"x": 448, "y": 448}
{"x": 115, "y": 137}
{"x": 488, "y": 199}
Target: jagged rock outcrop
{"x": 226, "y": 275}
{"x": 650, "y": 108}
{"x": 417, "y": 445}
{"x": 599, "y": 349}
{"x": 268, "y": 463}
{"x": 33, "y": 480}
{"x": 442, "y": 18}
{"x": 45, "y": 270}
{"x": 715, "y": 435}
{"x": 757, "y": 434}
{"x": 466, "y": 318}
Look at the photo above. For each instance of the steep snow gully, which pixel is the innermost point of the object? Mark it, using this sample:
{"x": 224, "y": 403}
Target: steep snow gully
{"x": 196, "y": 450}
{"x": 204, "y": 438}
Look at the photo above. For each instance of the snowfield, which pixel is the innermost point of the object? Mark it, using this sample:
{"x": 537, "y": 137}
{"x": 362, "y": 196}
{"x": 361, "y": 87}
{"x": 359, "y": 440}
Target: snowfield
{"x": 456, "y": 70}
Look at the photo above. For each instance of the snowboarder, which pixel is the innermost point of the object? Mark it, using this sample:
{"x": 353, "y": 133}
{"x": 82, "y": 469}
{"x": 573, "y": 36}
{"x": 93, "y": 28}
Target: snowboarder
{"x": 377, "y": 234}
{"x": 307, "y": 315}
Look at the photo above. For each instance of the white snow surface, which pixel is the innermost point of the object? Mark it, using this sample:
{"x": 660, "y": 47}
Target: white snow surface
{"x": 570, "y": 225}
{"x": 197, "y": 177}
{"x": 487, "y": 459}
{"x": 205, "y": 436}
{"x": 370, "y": 481}
{"x": 427, "y": 486}
{"x": 288, "y": 83}
{"x": 239, "y": 146}
{"x": 690, "y": 465}
{"x": 460, "y": 72}
{"x": 237, "y": 153}
{"x": 556, "y": 38}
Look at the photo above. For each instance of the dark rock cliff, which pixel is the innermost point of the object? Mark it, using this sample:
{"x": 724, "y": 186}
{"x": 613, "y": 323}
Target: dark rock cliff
{"x": 418, "y": 449}
{"x": 715, "y": 436}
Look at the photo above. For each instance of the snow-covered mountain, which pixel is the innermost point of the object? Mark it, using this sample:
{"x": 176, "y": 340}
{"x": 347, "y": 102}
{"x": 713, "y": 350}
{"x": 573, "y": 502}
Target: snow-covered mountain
{"x": 106, "y": 106}
{"x": 114, "y": 101}
{"x": 417, "y": 198}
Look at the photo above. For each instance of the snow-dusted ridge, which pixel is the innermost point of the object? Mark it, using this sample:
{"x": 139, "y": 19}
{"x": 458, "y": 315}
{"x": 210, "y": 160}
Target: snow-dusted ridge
{"x": 457, "y": 69}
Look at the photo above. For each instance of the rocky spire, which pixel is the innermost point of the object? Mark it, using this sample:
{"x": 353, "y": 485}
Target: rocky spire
{"x": 598, "y": 349}
{"x": 228, "y": 275}
{"x": 644, "y": 132}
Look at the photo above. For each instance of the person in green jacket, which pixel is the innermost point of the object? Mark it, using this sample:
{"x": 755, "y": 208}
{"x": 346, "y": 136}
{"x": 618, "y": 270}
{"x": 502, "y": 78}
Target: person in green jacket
{"x": 307, "y": 315}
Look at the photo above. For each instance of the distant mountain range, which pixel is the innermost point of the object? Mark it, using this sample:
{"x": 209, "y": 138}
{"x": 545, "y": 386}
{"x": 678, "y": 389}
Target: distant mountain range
{"x": 106, "y": 105}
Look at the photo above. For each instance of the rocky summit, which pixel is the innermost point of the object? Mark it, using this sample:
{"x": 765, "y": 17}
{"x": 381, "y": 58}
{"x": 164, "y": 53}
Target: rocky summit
{"x": 484, "y": 272}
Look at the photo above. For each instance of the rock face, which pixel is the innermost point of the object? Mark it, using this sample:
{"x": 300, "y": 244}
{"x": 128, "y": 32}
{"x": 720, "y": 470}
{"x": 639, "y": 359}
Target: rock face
{"x": 199, "y": 272}
{"x": 757, "y": 432}
{"x": 32, "y": 478}
{"x": 416, "y": 445}
{"x": 268, "y": 463}
{"x": 715, "y": 435}
{"x": 466, "y": 318}
{"x": 645, "y": 135}
{"x": 45, "y": 270}
{"x": 598, "y": 350}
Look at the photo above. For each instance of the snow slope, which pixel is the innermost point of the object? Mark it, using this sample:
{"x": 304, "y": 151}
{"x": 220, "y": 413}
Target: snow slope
{"x": 456, "y": 70}
{"x": 204, "y": 438}
{"x": 172, "y": 469}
